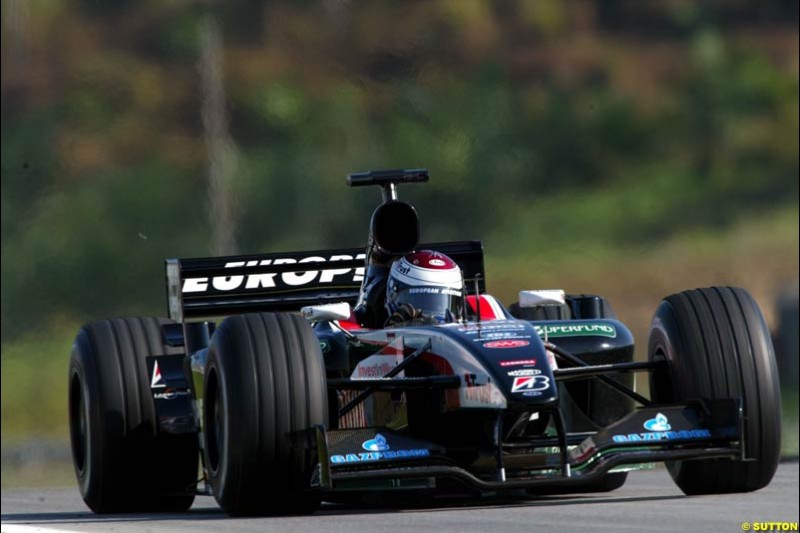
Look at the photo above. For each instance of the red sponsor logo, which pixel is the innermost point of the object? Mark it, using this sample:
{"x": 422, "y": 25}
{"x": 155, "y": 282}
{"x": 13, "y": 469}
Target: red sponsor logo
{"x": 530, "y": 383}
{"x": 157, "y": 380}
{"x": 510, "y": 343}
{"x": 519, "y": 362}
{"x": 431, "y": 259}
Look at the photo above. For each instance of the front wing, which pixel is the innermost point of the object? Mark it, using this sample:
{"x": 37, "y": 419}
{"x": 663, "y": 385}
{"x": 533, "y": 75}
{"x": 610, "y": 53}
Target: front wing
{"x": 354, "y": 459}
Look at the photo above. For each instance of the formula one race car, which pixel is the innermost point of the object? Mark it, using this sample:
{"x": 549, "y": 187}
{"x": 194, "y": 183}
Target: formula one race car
{"x": 428, "y": 385}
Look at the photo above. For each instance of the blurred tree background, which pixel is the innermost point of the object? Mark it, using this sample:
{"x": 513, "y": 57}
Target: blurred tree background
{"x": 622, "y": 147}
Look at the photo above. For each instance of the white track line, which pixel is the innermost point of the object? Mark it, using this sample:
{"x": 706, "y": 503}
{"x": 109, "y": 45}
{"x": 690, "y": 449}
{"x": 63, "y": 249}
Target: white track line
{"x": 20, "y": 528}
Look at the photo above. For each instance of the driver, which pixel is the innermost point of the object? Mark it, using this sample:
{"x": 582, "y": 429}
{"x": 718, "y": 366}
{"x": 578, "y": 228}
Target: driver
{"x": 424, "y": 287}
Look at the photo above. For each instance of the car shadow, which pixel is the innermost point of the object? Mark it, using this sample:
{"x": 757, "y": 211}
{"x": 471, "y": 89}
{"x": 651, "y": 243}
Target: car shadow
{"x": 208, "y": 511}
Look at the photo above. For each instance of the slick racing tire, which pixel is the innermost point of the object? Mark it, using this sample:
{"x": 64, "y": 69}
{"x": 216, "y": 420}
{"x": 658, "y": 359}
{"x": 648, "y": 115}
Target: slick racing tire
{"x": 264, "y": 381}
{"x": 121, "y": 462}
{"x": 717, "y": 345}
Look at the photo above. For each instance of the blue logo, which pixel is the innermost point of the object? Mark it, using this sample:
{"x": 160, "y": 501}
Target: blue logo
{"x": 659, "y": 423}
{"x": 379, "y": 450}
{"x": 660, "y": 429}
{"x": 378, "y": 444}
{"x": 684, "y": 434}
{"x": 389, "y": 455}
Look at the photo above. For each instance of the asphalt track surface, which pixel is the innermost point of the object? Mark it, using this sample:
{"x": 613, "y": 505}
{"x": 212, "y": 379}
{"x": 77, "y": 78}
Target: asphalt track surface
{"x": 648, "y": 502}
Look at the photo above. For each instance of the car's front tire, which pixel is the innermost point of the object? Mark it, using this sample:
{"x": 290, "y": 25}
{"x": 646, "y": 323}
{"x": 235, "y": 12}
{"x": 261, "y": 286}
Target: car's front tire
{"x": 717, "y": 345}
{"x": 264, "y": 381}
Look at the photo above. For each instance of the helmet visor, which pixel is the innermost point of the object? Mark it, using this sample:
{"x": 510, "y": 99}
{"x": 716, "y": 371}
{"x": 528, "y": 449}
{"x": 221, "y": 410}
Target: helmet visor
{"x": 434, "y": 302}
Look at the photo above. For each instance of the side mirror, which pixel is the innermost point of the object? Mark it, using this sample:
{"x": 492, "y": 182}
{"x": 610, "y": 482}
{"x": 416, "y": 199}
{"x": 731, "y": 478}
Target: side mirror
{"x": 326, "y": 312}
{"x": 535, "y": 298}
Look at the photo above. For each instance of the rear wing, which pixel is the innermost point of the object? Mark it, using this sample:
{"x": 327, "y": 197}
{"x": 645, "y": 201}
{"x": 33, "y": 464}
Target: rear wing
{"x": 221, "y": 286}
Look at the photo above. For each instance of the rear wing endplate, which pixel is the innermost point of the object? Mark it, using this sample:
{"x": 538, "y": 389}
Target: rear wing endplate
{"x": 220, "y": 286}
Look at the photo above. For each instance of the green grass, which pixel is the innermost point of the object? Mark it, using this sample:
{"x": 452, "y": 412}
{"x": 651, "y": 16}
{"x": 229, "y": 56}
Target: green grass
{"x": 34, "y": 384}
{"x": 759, "y": 254}
{"x": 34, "y": 405}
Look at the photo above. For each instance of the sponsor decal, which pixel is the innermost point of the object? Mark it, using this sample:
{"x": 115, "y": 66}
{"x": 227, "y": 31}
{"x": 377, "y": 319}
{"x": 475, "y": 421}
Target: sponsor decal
{"x": 267, "y": 280}
{"x": 434, "y": 290}
{"x": 428, "y": 259}
{"x": 524, "y": 372}
{"x": 378, "y": 444}
{"x": 379, "y": 456}
{"x": 506, "y": 343}
{"x": 479, "y": 393}
{"x": 377, "y": 370}
{"x": 659, "y": 423}
{"x": 324, "y": 345}
{"x": 496, "y": 335}
{"x": 576, "y": 330}
{"x": 424, "y": 290}
{"x": 171, "y": 395}
{"x": 530, "y": 384}
{"x": 378, "y": 449}
{"x": 483, "y": 328}
{"x": 519, "y": 362}
{"x": 376, "y": 366}
{"x": 683, "y": 434}
{"x": 157, "y": 382}
{"x": 659, "y": 429}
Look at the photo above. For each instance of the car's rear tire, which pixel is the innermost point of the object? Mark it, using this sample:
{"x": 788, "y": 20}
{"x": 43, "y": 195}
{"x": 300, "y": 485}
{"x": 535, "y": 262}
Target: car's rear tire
{"x": 264, "y": 380}
{"x": 717, "y": 345}
{"x": 122, "y": 463}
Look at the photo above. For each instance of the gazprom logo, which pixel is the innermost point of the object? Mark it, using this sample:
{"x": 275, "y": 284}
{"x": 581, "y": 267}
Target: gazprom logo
{"x": 379, "y": 450}
{"x": 683, "y": 434}
{"x": 659, "y": 423}
{"x": 378, "y": 444}
{"x": 659, "y": 428}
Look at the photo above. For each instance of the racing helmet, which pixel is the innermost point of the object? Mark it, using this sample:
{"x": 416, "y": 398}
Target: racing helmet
{"x": 429, "y": 282}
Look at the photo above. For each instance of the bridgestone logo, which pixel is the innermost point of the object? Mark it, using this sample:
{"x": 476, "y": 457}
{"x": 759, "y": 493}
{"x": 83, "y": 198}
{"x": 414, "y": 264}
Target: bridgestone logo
{"x": 577, "y": 330}
{"x": 268, "y": 280}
